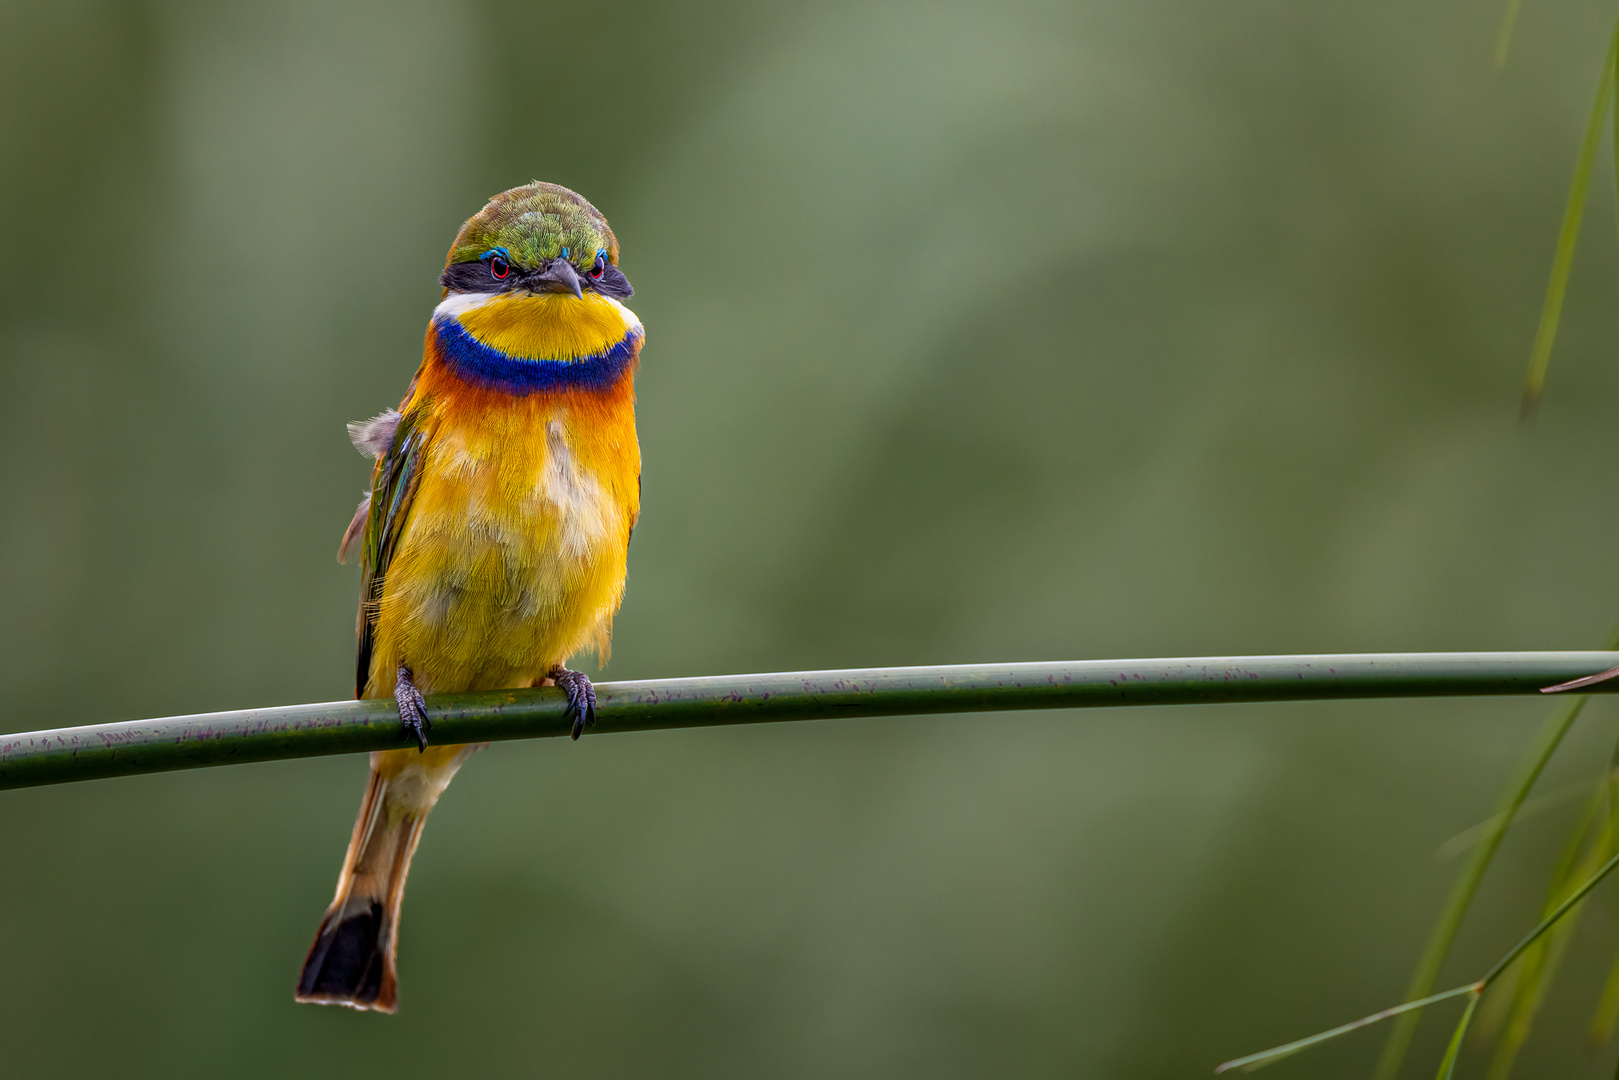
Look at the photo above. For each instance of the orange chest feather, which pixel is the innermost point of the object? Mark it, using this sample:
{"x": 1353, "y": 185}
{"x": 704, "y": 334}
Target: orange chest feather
{"x": 513, "y": 552}
{"x": 557, "y": 460}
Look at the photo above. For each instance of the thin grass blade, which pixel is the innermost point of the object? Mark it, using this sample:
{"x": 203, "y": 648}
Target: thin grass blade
{"x": 1563, "y": 259}
{"x": 1267, "y": 1057}
{"x": 1277, "y": 1053}
{"x": 1531, "y": 994}
{"x": 1467, "y": 882}
{"x": 1551, "y": 920}
{"x": 1540, "y": 804}
{"x": 1447, "y": 1065}
{"x": 1607, "y": 1014}
{"x": 1503, "y": 36}
{"x": 1542, "y": 960}
{"x": 1508, "y": 1012}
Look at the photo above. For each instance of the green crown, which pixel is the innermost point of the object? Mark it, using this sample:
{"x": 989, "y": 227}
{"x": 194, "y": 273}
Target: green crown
{"x": 536, "y": 222}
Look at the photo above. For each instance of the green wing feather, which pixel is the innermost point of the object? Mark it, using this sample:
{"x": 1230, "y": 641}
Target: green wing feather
{"x": 393, "y": 486}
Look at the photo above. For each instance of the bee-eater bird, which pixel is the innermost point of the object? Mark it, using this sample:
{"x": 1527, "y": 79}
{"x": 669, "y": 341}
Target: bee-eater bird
{"x": 495, "y": 533}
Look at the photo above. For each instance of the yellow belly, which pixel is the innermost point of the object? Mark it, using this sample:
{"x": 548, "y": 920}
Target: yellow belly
{"x": 513, "y": 556}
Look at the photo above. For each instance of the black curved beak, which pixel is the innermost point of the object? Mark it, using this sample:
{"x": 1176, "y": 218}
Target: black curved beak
{"x": 559, "y": 276}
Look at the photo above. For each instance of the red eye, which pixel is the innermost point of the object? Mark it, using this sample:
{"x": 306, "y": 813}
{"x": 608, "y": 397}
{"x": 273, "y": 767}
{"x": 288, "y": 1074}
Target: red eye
{"x": 599, "y": 269}
{"x": 499, "y": 267}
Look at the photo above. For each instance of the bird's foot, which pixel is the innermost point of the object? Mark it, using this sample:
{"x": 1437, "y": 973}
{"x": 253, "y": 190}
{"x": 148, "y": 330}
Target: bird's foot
{"x": 581, "y": 696}
{"x": 412, "y": 710}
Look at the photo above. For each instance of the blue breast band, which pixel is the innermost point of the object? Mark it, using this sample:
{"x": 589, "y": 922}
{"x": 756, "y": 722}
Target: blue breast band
{"x": 488, "y": 367}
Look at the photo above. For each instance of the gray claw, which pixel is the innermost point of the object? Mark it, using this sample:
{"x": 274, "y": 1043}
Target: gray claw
{"x": 581, "y": 697}
{"x": 412, "y": 709}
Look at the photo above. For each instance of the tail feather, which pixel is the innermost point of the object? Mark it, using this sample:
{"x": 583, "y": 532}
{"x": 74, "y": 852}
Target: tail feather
{"x": 352, "y": 959}
{"x": 349, "y": 963}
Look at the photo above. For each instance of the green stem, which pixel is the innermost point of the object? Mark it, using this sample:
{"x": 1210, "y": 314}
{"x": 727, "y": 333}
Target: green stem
{"x": 1467, "y": 883}
{"x": 1503, "y": 36}
{"x": 1552, "y": 311}
{"x": 142, "y": 746}
{"x": 1447, "y": 1066}
{"x": 1477, "y": 988}
{"x": 1277, "y": 1053}
{"x": 1546, "y": 924}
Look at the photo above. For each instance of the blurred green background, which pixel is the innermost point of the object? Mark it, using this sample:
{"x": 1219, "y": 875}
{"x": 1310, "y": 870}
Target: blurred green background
{"x": 976, "y": 331}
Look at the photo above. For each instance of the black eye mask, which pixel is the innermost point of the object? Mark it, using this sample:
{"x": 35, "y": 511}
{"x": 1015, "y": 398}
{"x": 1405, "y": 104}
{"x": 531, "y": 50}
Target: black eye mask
{"x": 477, "y": 276}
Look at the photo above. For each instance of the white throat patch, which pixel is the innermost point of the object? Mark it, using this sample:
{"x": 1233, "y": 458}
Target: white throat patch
{"x": 458, "y": 303}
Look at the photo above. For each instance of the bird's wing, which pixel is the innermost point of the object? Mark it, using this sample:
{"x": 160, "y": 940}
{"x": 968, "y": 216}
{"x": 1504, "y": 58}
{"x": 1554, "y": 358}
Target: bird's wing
{"x": 393, "y": 486}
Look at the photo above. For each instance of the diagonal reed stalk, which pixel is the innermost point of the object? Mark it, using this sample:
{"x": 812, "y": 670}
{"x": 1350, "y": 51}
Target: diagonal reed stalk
{"x": 182, "y": 742}
{"x": 1276, "y": 1053}
{"x": 1568, "y": 235}
{"x": 1447, "y": 1065}
{"x": 1503, "y": 36}
{"x": 1545, "y": 802}
{"x": 1596, "y": 834}
{"x": 1472, "y": 991}
{"x": 1540, "y": 962}
{"x": 1607, "y": 1014}
{"x": 1467, "y": 882}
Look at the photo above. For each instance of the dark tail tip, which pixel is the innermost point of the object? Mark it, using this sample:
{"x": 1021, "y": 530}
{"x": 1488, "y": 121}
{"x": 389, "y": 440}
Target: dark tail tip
{"x": 349, "y": 963}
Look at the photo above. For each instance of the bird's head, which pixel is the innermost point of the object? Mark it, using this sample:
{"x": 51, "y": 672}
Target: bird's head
{"x": 538, "y": 238}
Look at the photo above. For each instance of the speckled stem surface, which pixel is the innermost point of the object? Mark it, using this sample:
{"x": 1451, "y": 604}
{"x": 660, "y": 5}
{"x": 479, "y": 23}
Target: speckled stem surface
{"x": 225, "y": 738}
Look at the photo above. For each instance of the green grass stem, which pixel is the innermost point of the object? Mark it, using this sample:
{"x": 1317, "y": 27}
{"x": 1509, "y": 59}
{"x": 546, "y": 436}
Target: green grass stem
{"x": 1550, "y": 920}
{"x": 1467, "y": 882}
{"x": 1568, "y": 235}
{"x": 1503, "y": 36}
{"x": 1558, "y": 797}
{"x": 1447, "y": 1065}
{"x": 1277, "y": 1053}
{"x": 1539, "y": 964}
{"x": 181, "y": 742}
{"x": 1607, "y": 1012}
{"x": 1476, "y": 988}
